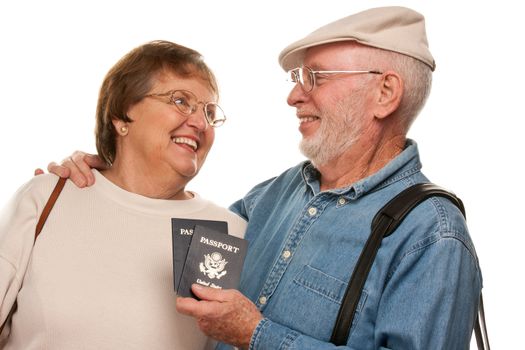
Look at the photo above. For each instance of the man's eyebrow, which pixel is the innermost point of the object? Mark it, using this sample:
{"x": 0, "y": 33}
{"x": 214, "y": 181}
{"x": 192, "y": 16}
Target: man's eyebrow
{"x": 315, "y": 66}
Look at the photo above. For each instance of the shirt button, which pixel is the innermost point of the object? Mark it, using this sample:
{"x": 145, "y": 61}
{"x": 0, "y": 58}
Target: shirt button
{"x": 262, "y": 300}
{"x": 341, "y": 201}
{"x": 312, "y": 211}
{"x": 287, "y": 254}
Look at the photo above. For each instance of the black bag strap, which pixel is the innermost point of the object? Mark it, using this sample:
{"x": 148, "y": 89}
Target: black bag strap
{"x": 40, "y": 224}
{"x": 384, "y": 223}
{"x": 480, "y": 328}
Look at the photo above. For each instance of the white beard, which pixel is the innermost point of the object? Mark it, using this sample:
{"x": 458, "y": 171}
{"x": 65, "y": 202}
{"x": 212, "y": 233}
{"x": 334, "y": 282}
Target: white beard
{"x": 339, "y": 130}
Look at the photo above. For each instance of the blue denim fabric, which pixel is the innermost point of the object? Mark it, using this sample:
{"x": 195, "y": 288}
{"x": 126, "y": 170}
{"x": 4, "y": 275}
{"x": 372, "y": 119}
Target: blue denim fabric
{"x": 423, "y": 289}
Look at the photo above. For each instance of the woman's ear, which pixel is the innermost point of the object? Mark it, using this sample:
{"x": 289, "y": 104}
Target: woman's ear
{"x": 391, "y": 88}
{"x": 120, "y": 126}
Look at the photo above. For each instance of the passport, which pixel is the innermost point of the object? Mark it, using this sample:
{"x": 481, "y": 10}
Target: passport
{"x": 214, "y": 260}
{"x": 182, "y": 232}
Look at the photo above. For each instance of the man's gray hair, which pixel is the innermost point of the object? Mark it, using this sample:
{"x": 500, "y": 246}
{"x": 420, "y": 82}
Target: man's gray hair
{"x": 417, "y": 78}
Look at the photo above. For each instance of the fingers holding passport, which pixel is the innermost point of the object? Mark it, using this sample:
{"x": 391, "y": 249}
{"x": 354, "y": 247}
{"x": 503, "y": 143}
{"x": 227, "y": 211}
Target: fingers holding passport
{"x": 225, "y": 315}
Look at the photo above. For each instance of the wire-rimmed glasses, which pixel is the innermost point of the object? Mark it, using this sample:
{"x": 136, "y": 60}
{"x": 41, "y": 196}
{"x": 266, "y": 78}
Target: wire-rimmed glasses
{"x": 187, "y": 103}
{"x": 306, "y": 76}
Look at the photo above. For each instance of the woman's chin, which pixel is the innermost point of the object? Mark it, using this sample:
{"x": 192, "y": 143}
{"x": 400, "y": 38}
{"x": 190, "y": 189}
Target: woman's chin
{"x": 188, "y": 171}
{"x": 184, "y": 167}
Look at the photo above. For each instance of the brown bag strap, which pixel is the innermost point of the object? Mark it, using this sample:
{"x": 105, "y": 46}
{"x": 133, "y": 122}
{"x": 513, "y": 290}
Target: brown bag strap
{"x": 41, "y": 221}
{"x": 49, "y": 205}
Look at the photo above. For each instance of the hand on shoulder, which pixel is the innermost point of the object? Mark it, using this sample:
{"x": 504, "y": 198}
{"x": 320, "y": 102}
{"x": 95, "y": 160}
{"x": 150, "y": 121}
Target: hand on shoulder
{"x": 77, "y": 168}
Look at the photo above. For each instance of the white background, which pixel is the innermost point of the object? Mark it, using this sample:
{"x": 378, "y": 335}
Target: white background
{"x": 54, "y": 55}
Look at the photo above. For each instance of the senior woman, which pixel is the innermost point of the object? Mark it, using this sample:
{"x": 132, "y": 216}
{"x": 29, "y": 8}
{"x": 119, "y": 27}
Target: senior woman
{"x": 99, "y": 276}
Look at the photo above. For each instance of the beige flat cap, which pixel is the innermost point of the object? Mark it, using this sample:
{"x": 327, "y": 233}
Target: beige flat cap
{"x": 397, "y": 29}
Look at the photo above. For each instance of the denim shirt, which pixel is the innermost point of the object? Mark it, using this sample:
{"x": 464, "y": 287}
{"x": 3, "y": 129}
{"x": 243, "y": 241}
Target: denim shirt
{"x": 422, "y": 291}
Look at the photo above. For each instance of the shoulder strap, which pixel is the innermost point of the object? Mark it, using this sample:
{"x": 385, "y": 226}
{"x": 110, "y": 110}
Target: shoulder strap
{"x": 384, "y": 223}
{"x": 41, "y": 221}
{"x": 480, "y": 327}
{"x": 49, "y": 205}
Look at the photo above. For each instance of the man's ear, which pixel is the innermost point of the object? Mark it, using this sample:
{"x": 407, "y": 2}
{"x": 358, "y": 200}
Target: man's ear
{"x": 390, "y": 92}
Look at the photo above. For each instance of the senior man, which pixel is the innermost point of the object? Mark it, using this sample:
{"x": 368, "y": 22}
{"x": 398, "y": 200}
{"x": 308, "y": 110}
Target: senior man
{"x": 360, "y": 82}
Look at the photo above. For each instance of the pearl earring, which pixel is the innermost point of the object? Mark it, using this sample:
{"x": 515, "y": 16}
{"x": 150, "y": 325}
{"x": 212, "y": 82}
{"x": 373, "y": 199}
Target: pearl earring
{"x": 124, "y": 130}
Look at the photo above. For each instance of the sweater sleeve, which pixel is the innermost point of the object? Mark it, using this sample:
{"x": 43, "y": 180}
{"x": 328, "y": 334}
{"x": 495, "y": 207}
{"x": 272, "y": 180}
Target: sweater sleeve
{"x": 17, "y": 228}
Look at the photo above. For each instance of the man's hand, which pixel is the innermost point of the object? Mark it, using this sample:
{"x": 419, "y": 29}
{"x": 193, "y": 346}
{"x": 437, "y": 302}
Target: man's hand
{"x": 77, "y": 167}
{"x": 225, "y": 315}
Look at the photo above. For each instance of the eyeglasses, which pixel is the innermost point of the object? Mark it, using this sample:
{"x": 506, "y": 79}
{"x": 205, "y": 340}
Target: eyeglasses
{"x": 306, "y": 76}
{"x": 187, "y": 103}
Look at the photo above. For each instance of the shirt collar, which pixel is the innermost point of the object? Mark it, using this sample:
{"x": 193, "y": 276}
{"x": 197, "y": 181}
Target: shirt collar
{"x": 403, "y": 165}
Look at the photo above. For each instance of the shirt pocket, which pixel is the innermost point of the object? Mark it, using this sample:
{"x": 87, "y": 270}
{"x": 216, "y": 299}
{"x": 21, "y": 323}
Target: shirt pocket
{"x": 314, "y": 301}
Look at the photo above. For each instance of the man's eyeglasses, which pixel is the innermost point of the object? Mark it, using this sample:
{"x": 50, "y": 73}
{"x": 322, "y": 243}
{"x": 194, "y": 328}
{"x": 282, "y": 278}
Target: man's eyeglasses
{"x": 306, "y": 76}
{"x": 187, "y": 103}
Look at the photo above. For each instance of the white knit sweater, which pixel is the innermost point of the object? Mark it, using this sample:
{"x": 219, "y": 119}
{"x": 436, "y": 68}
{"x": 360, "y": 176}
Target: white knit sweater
{"x": 100, "y": 274}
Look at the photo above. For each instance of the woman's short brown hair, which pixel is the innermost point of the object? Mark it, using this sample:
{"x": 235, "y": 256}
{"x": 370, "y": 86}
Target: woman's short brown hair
{"x": 131, "y": 78}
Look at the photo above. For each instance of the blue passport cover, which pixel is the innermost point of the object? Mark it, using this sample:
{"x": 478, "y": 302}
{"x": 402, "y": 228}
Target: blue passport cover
{"x": 214, "y": 260}
{"x": 182, "y": 232}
